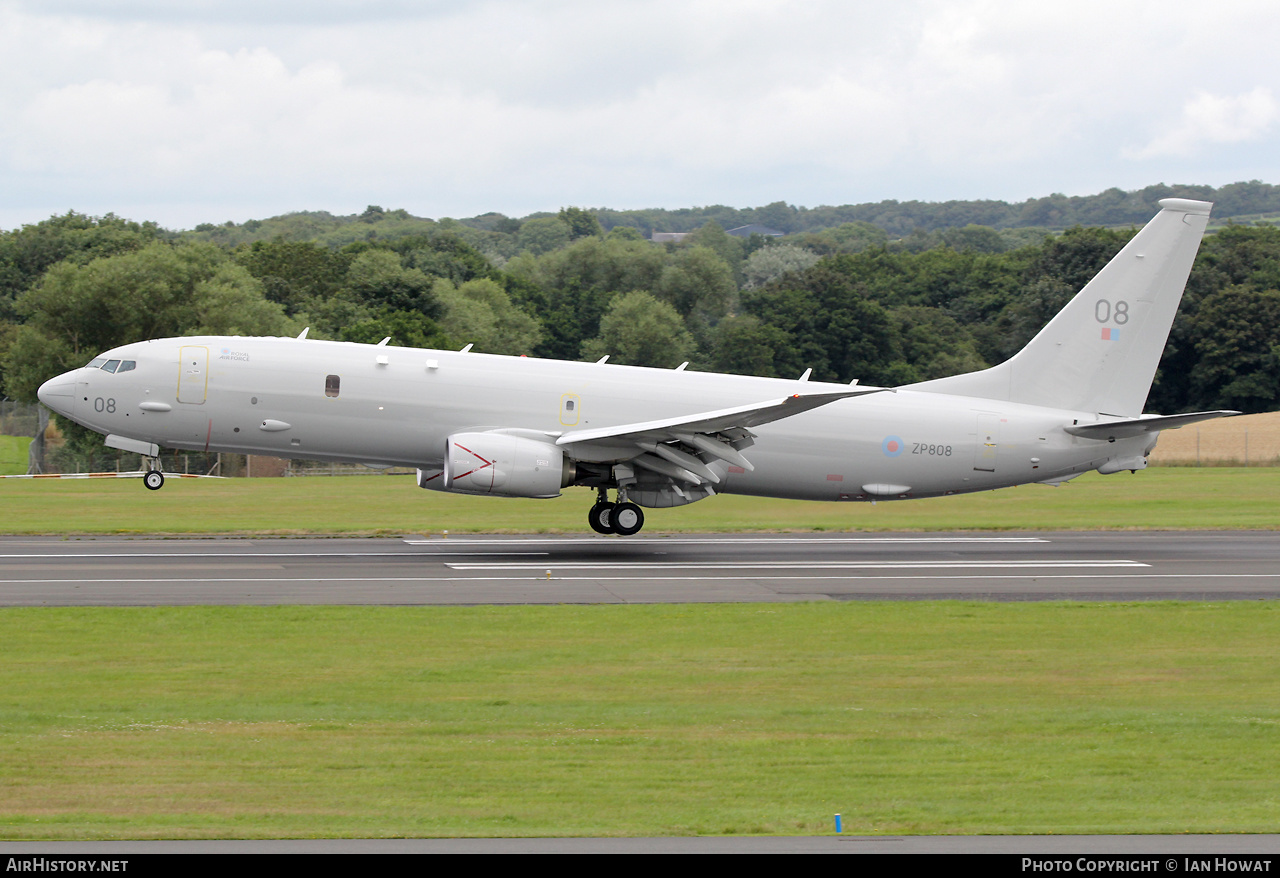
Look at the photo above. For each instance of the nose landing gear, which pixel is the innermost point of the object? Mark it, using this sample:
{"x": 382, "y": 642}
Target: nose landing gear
{"x": 154, "y": 478}
{"x": 622, "y": 518}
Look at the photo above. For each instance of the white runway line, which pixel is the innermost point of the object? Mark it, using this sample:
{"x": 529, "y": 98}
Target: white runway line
{"x": 406, "y": 555}
{"x": 722, "y": 540}
{"x": 797, "y": 565}
{"x": 500, "y": 546}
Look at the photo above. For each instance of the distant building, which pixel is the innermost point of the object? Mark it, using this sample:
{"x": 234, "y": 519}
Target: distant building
{"x": 669, "y": 237}
{"x": 754, "y": 229}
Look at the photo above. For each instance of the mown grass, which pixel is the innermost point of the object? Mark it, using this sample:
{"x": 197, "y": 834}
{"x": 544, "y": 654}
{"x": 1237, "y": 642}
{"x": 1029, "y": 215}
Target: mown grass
{"x": 912, "y": 717}
{"x": 1160, "y": 498}
{"x": 13, "y": 454}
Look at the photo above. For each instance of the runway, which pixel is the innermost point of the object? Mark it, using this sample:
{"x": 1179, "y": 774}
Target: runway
{"x": 136, "y": 571}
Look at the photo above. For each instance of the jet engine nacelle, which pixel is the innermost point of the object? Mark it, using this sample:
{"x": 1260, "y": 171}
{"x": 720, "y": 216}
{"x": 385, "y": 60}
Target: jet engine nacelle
{"x": 500, "y": 464}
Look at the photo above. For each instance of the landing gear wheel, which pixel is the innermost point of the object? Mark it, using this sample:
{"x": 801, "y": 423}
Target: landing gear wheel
{"x": 627, "y": 519}
{"x": 600, "y": 517}
{"x": 154, "y": 480}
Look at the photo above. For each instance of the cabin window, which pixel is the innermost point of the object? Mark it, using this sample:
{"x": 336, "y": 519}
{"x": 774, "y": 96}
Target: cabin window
{"x": 569, "y": 413}
{"x": 331, "y": 383}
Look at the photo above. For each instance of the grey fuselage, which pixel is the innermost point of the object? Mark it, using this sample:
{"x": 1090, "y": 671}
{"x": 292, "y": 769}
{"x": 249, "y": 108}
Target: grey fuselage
{"x": 392, "y": 406}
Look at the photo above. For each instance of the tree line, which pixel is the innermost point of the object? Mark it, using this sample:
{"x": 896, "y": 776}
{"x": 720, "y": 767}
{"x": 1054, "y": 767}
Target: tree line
{"x": 893, "y": 219}
{"x": 847, "y": 301}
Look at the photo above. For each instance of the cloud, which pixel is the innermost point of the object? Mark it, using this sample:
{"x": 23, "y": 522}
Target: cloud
{"x": 242, "y": 11}
{"x": 241, "y": 109}
{"x": 1209, "y": 119}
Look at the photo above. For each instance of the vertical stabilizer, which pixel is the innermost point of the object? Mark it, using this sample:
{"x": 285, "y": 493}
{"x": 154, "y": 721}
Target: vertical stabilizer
{"x": 1100, "y": 353}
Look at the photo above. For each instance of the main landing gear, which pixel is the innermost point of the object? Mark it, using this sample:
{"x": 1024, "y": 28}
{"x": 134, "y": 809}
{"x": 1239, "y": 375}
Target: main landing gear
{"x": 154, "y": 479}
{"x": 623, "y": 518}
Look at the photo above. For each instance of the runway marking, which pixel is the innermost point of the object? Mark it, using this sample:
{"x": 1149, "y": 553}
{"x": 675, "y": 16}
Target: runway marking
{"x": 797, "y": 565}
{"x": 499, "y": 546}
{"x": 407, "y": 555}
{"x": 705, "y": 541}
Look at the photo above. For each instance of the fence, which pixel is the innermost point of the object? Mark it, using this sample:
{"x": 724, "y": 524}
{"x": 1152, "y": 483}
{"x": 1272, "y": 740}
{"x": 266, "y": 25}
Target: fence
{"x": 21, "y": 419}
{"x": 1247, "y": 440}
{"x": 25, "y": 420}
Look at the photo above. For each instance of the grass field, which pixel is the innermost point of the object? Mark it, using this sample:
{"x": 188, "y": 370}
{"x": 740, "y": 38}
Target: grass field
{"x": 913, "y": 717}
{"x": 13, "y": 454}
{"x": 655, "y": 720}
{"x": 1159, "y": 498}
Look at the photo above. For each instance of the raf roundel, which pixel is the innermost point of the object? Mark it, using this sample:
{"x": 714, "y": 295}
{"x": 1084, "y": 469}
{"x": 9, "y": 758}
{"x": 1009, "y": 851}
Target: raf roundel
{"x": 891, "y": 446}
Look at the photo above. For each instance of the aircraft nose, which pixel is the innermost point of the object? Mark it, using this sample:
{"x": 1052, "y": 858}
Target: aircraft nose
{"x": 59, "y": 393}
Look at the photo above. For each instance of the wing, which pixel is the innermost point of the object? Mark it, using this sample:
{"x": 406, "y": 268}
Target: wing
{"x": 679, "y": 447}
{"x": 1110, "y": 430}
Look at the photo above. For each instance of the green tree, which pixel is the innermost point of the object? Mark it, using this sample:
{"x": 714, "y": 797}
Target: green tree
{"x": 295, "y": 273}
{"x": 602, "y": 266}
{"x": 830, "y": 326}
{"x": 405, "y": 328}
{"x": 625, "y": 233}
{"x": 27, "y": 253}
{"x": 639, "y": 330}
{"x": 932, "y": 345}
{"x": 854, "y": 237}
{"x": 743, "y": 345}
{"x": 443, "y": 254}
{"x": 539, "y": 236}
{"x": 698, "y": 282}
{"x": 379, "y": 279}
{"x": 577, "y": 283}
{"x": 1076, "y": 255}
{"x": 1236, "y": 334}
{"x": 726, "y": 246}
{"x": 77, "y": 311}
{"x": 979, "y": 239}
{"x": 778, "y": 215}
{"x": 768, "y": 264}
{"x": 581, "y": 223}
{"x": 481, "y": 313}
{"x": 1244, "y": 256}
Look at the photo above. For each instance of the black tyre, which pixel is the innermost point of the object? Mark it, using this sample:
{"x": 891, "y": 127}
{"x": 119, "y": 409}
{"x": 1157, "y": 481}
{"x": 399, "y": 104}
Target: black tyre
{"x": 154, "y": 480}
{"x": 627, "y": 519}
{"x": 599, "y": 518}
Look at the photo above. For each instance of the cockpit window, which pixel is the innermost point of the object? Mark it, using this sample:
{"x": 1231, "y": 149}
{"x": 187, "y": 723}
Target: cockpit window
{"x": 112, "y": 365}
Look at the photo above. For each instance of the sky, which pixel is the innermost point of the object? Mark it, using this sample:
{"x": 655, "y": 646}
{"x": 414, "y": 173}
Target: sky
{"x": 215, "y": 110}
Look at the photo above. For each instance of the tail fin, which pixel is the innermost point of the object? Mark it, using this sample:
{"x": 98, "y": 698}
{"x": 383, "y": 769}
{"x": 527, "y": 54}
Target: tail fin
{"x": 1100, "y": 353}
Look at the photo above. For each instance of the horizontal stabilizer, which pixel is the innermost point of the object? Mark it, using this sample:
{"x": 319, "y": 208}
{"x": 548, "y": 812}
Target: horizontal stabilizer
{"x": 1137, "y": 426}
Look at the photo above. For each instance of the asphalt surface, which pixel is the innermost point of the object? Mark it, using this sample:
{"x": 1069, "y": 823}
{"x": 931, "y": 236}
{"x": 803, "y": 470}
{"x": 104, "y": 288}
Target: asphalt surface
{"x": 123, "y": 571}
